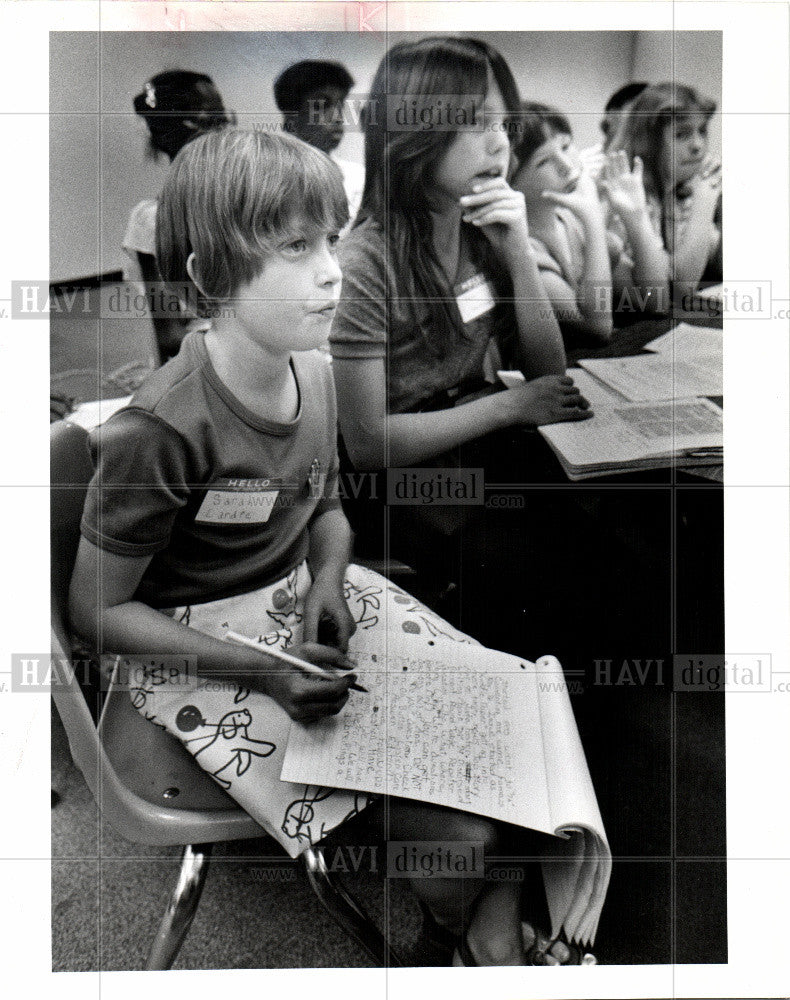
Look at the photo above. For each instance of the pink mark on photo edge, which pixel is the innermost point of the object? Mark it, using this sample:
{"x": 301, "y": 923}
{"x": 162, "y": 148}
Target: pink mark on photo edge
{"x": 364, "y": 16}
{"x": 176, "y": 20}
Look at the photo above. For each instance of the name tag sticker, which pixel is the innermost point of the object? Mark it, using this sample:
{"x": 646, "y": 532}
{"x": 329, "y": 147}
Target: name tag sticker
{"x": 474, "y": 297}
{"x": 241, "y": 501}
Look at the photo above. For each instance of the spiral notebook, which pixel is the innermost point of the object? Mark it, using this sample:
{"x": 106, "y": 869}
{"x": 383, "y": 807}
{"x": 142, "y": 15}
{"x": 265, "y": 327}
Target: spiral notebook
{"x": 480, "y": 731}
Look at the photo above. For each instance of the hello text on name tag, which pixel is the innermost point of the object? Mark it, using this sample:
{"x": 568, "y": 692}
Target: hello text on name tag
{"x": 238, "y": 501}
{"x": 474, "y": 297}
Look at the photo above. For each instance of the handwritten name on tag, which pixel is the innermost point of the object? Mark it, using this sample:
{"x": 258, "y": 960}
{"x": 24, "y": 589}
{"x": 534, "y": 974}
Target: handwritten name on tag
{"x": 474, "y": 297}
{"x": 238, "y": 501}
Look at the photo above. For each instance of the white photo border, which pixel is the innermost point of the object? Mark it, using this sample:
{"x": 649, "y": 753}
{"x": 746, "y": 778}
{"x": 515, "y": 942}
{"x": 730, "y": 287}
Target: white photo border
{"x": 755, "y": 128}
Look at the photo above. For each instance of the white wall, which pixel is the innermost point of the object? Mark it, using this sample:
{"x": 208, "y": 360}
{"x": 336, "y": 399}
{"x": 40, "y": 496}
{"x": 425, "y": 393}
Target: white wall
{"x": 99, "y": 169}
{"x": 690, "y": 57}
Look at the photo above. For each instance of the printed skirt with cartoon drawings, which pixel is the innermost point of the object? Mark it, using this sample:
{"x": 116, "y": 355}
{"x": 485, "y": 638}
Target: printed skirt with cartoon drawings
{"x": 239, "y": 736}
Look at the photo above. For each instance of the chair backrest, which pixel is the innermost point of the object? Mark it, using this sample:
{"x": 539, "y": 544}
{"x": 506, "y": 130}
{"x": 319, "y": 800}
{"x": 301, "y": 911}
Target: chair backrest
{"x": 137, "y": 818}
{"x": 70, "y": 471}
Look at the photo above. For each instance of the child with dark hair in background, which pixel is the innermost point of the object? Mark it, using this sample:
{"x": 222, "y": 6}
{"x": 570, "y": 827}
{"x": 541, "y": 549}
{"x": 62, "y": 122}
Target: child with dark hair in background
{"x": 579, "y": 260}
{"x": 594, "y": 157}
{"x": 439, "y": 269}
{"x": 566, "y": 223}
{"x": 616, "y": 107}
{"x": 312, "y": 95}
{"x": 177, "y": 106}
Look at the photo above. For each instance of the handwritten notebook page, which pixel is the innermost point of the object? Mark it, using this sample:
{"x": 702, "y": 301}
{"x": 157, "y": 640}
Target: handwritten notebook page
{"x": 464, "y": 733}
{"x": 469, "y": 732}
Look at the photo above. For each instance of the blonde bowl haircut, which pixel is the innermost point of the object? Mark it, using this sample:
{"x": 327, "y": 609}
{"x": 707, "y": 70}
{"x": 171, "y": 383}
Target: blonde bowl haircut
{"x": 232, "y": 198}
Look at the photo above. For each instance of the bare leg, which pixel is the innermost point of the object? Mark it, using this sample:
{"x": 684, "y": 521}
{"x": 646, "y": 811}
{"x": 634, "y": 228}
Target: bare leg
{"x": 490, "y": 911}
{"x": 494, "y": 936}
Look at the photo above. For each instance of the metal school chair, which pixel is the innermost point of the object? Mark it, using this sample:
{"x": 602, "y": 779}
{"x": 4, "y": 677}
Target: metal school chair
{"x": 144, "y": 782}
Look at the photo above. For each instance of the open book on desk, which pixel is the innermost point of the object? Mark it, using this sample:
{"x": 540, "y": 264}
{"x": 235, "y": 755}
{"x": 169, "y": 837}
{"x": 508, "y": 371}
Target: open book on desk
{"x": 687, "y": 341}
{"x": 479, "y": 731}
{"x": 626, "y": 437}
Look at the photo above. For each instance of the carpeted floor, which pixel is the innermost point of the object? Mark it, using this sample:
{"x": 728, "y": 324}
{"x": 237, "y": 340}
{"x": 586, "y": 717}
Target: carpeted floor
{"x": 257, "y": 909}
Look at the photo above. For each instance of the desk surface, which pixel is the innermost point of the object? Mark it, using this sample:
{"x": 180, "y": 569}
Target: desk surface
{"x": 628, "y": 341}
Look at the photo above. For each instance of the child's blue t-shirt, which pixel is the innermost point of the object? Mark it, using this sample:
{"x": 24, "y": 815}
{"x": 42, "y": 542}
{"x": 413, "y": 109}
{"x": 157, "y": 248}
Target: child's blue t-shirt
{"x": 219, "y": 497}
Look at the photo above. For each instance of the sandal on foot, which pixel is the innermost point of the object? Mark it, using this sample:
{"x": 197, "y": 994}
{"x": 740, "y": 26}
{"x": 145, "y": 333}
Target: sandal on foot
{"x": 539, "y": 949}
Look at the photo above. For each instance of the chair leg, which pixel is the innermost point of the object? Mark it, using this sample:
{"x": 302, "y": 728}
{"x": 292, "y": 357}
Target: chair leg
{"x": 347, "y": 912}
{"x": 181, "y": 908}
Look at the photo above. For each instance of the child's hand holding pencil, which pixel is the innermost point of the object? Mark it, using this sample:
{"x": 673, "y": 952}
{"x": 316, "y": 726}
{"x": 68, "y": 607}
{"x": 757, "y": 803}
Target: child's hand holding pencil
{"x": 308, "y": 689}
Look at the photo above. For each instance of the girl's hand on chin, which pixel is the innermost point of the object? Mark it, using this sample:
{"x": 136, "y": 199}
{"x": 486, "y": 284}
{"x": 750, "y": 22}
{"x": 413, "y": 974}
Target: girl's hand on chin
{"x": 706, "y": 183}
{"x": 583, "y": 201}
{"x": 501, "y": 214}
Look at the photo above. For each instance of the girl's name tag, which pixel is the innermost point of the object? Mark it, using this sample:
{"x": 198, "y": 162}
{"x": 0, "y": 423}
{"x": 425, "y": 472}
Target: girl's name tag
{"x": 238, "y": 501}
{"x": 474, "y": 297}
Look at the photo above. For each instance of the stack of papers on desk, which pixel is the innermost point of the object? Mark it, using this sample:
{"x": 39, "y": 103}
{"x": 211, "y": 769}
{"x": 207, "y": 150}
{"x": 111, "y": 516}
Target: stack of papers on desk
{"x": 687, "y": 361}
{"x": 684, "y": 341}
{"x": 623, "y": 436}
{"x": 650, "y": 410}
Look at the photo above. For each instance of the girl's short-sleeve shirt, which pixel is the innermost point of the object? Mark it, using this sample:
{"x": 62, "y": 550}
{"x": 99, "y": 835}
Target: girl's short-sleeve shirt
{"x": 567, "y": 262}
{"x": 376, "y": 319}
{"x": 140, "y": 237}
{"x": 219, "y": 498}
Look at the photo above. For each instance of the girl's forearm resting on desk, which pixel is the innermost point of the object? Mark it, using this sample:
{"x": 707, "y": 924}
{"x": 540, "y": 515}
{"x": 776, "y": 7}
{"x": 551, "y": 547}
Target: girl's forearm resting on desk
{"x": 376, "y": 440}
{"x": 541, "y": 348}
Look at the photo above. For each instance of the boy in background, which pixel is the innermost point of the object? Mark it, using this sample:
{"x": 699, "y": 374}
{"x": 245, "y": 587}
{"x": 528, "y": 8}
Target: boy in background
{"x": 311, "y": 95}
